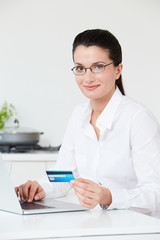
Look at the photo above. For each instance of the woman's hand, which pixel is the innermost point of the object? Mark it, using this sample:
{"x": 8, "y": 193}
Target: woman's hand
{"x": 30, "y": 191}
{"x": 90, "y": 193}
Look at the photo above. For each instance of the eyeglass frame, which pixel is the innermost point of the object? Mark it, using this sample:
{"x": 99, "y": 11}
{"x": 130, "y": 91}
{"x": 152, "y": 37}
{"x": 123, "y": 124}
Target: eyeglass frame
{"x": 104, "y": 66}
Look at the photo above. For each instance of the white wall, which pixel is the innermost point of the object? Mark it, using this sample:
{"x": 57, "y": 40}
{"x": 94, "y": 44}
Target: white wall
{"x": 35, "y": 55}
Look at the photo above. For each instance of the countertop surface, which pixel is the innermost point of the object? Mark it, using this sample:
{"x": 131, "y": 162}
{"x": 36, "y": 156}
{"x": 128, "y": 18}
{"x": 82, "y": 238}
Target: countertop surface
{"x": 119, "y": 224}
{"x": 31, "y": 156}
{"x": 77, "y": 224}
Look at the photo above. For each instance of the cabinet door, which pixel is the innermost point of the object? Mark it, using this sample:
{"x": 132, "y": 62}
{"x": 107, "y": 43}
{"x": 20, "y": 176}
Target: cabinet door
{"x": 24, "y": 171}
{"x": 50, "y": 165}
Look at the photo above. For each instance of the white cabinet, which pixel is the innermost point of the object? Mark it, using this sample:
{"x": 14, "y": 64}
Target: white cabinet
{"x": 23, "y": 167}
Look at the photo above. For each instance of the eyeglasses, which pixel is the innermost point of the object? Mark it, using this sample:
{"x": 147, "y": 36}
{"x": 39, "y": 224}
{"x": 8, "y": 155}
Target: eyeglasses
{"x": 97, "y": 68}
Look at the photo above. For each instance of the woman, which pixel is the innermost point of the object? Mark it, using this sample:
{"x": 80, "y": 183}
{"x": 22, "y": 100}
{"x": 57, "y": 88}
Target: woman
{"x": 112, "y": 143}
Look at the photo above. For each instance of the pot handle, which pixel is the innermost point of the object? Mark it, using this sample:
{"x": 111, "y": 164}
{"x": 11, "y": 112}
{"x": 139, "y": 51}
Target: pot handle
{"x": 16, "y": 123}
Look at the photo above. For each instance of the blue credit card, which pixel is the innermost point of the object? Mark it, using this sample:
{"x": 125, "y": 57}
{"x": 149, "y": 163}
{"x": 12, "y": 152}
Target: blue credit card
{"x": 60, "y": 176}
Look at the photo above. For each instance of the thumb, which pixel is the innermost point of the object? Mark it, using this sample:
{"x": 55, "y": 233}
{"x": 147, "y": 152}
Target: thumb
{"x": 39, "y": 196}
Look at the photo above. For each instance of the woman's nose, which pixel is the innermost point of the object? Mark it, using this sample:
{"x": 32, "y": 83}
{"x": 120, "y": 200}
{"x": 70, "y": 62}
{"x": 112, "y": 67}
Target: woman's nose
{"x": 88, "y": 76}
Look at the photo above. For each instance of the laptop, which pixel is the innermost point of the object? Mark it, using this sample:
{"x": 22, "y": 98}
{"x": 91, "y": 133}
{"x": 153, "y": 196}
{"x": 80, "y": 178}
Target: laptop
{"x": 10, "y": 203}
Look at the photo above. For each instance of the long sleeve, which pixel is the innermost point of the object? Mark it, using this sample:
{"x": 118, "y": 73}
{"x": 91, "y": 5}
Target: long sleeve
{"x": 145, "y": 153}
{"x": 65, "y": 161}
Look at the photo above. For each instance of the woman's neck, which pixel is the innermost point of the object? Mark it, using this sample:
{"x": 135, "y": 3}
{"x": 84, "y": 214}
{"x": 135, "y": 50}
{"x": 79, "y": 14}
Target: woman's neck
{"x": 98, "y": 105}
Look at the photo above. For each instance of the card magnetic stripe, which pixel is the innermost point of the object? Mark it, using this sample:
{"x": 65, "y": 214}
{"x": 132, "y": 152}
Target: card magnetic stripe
{"x": 59, "y": 172}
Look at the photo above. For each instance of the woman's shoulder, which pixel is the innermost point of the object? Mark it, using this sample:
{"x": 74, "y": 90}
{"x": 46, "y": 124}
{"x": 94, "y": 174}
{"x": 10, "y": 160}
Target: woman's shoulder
{"x": 136, "y": 110}
{"x": 132, "y": 106}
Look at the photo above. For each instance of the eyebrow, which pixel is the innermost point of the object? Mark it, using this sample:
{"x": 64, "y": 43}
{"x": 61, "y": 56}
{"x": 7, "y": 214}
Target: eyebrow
{"x": 92, "y": 63}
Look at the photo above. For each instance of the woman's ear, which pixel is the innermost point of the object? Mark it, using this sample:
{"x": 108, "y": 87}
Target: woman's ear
{"x": 119, "y": 70}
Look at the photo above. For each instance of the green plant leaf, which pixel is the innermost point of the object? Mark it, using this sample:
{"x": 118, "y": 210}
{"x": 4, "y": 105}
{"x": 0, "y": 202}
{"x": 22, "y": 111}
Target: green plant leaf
{"x": 6, "y": 112}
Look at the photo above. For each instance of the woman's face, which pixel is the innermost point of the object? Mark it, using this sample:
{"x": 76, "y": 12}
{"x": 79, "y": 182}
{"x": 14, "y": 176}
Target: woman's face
{"x": 96, "y": 86}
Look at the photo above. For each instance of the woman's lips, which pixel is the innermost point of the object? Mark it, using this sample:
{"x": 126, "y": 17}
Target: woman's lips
{"x": 90, "y": 88}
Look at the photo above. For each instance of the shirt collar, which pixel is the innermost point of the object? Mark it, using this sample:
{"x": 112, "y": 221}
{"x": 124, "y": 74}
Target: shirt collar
{"x": 86, "y": 114}
{"x": 105, "y": 120}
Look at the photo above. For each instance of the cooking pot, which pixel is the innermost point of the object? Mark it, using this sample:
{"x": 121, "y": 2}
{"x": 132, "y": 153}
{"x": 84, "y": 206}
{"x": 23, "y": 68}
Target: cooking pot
{"x": 17, "y": 135}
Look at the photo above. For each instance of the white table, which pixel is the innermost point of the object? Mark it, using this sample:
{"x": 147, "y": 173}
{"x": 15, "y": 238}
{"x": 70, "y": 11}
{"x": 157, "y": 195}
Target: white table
{"x": 93, "y": 224}
{"x": 117, "y": 223}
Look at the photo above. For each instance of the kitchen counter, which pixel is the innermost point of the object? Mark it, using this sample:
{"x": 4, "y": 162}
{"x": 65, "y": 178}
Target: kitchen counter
{"x": 32, "y": 156}
{"x": 92, "y": 224}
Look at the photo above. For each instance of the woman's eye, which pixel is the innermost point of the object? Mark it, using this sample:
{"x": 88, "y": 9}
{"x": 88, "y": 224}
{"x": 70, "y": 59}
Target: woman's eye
{"x": 99, "y": 66}
{"x": 79, "y": 68}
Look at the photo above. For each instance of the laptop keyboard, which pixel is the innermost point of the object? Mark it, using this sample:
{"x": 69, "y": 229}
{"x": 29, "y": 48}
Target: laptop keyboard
{"x": 29, "y": 206}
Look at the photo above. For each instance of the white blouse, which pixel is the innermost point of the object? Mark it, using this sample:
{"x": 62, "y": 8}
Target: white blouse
{"x": 126, "y": 159}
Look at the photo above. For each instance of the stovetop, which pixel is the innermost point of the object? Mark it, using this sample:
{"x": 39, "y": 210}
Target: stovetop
{"x": 27, "y": 148}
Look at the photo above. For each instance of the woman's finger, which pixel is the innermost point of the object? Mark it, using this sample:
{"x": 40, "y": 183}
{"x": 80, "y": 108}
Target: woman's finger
{"x": 32, "y": 191}
{"x": 25, "y": 190}
{"x": 84, "y": 192}
{"x": 88, "y": 186}
{"x": 21, "y": 193}
{"x": 17, "y": 191}
{"x": 86, "y": 202}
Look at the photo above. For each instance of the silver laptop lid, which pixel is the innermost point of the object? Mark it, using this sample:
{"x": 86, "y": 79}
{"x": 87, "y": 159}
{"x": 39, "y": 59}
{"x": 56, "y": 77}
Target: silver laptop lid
{"x": 8, "y": 200}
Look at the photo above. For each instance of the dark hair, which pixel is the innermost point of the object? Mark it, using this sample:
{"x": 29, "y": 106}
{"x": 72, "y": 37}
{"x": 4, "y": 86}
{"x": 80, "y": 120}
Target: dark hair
{"x": 106, "y": 40}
